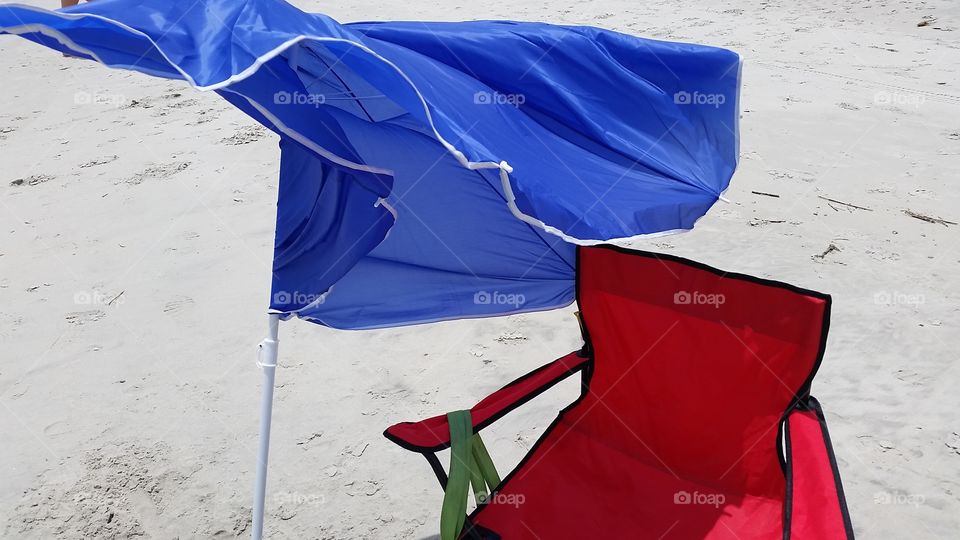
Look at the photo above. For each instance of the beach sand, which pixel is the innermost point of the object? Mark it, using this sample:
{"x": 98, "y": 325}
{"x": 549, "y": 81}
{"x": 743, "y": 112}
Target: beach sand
{"x": 137, "y": 226}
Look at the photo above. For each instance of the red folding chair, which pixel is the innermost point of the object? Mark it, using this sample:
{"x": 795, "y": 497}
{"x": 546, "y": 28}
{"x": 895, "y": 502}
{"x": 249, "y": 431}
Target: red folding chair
{"x": 695, "y": 419}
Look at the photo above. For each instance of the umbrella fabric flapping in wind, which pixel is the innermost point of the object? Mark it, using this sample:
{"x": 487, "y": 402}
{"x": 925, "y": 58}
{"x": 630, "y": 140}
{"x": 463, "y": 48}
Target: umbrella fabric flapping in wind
{"x": 433, "y": 171}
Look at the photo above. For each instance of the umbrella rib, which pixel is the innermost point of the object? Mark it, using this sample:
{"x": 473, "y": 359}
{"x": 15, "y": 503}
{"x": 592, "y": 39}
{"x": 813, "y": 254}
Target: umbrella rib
{"x": 349, "y": 90}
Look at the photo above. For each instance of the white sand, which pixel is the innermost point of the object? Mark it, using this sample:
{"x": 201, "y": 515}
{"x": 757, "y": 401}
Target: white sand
{"x": 137, "y": 417}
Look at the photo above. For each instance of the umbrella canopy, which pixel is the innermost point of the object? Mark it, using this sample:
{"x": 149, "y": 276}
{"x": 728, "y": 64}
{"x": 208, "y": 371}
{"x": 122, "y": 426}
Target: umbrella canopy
{"x": 433, "y": 171}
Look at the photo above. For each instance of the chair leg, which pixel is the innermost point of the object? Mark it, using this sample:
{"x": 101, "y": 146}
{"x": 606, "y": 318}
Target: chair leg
{"x": 437, "y": 468}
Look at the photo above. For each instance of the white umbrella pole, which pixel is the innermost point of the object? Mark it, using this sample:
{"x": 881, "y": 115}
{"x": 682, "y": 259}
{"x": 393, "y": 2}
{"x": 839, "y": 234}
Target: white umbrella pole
{"x": 267, "y": 361}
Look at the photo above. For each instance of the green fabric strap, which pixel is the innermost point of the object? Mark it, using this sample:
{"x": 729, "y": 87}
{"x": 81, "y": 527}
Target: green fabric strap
{"x": 454, "y": 510}
{"x": 484, "y": 463}
{"x": 470, "y": 465}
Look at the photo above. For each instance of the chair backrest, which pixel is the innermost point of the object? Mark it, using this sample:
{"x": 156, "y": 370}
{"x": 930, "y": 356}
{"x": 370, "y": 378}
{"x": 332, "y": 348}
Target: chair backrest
{"x": 694, "y": 367}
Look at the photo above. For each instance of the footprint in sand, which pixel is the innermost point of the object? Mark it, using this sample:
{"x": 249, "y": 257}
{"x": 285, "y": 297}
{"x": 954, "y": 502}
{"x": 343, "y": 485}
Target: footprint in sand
{"x": 953, "y": 442}
{"x": 912, "y": 377}
{"x": 511, "y": 337}
{"x": 879, "y": 254}
{"x": 157, "y": 172}
{"x": 183, "y": 104}
{"x": 149, "y": 102}
{"x": 176, "y": 305}
{"x": 99, "y": 161}
{"x": 791, "y": 175}
{"x": 81, "y": 318}
{"x": 57, "y": 428}
{"x": 245, "y": 135}
{"x": 32, "y": 180}
{"x": 9, "y": 324}
{"x": 204, "y": 116}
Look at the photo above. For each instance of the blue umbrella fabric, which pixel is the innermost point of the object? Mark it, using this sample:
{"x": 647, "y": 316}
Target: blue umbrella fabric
{"x": 434, "y": 171}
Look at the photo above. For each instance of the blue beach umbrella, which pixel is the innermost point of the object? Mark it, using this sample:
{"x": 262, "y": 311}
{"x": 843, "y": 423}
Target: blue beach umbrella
{"x": 434, "y": 171}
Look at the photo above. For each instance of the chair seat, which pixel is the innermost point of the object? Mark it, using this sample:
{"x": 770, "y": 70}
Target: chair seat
{"x": 572, "y": 486}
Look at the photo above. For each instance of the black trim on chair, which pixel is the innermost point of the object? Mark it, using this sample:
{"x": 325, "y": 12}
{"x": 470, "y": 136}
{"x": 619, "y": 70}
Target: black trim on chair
{"x": 788, "y": 473}
{"x": 812, "y": 404}
{"x": 844, "y": 511}
{"x": 437, "y": 469}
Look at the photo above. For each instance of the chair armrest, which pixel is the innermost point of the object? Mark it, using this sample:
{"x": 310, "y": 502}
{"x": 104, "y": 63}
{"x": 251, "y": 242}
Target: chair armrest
{"x": 433, "y": 434}
{"x": 815, "y": 503}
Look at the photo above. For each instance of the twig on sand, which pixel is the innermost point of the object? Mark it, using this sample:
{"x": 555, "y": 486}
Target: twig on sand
{"x": 766, "y": 194}
{"x": 928, "y": 219}
{"x": 758, "y": 222}
{"x": 845, "y": 203}
{"x": 830, "y": 249}
{"x": 115, "y": 298}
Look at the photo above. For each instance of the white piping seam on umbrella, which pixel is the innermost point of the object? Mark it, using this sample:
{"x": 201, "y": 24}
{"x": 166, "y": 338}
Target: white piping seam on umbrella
{"x": 306, "y": 141}
{"x": 460, "y": 157}
{"x": 383, "y": 202}
{"x": 64, "y": 40}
